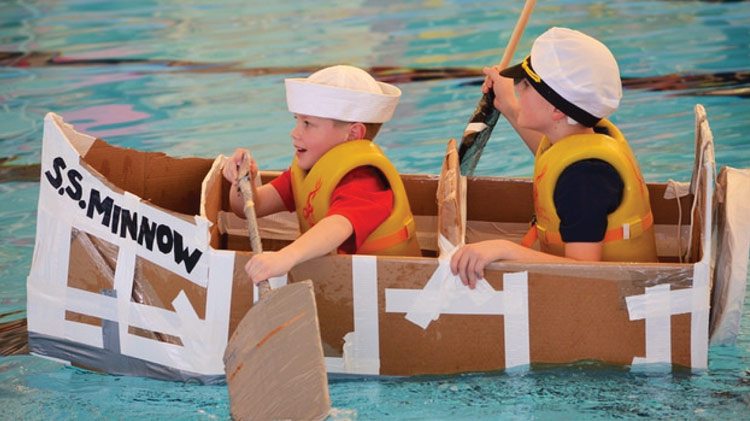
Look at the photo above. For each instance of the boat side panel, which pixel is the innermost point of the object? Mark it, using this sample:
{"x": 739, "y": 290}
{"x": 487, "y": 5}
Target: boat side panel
{"x": 171, "y": 183}
{"x": 575, "y": 312}
{"x": 453, "y": 343}
{"x": 334, "y": 295}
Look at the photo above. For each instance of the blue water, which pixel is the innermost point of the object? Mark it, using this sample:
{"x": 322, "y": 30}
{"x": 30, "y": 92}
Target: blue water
{"x": 182, "y": 111}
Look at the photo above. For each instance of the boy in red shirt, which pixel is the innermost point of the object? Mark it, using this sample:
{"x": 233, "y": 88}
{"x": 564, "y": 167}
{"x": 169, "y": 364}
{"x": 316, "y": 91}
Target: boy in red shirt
{"x": 347, "y": 194}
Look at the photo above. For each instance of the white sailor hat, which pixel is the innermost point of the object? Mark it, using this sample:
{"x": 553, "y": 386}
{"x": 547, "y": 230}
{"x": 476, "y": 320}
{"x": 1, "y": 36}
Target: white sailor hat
{"x": 344, "y": 93}
{"x": 574, "y": 72}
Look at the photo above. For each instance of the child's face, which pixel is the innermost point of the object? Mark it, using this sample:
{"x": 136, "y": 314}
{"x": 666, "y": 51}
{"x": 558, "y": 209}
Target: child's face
{"x": 314, "y": 136}
{"x": 534, "y": 111}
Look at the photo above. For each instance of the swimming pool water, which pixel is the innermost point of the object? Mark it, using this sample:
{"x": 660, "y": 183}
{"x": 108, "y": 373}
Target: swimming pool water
{"x": 128, "y": 88}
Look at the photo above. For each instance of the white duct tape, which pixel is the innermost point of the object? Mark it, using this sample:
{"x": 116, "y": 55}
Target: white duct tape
{"x": 512, "y": 302}
{"x": 84, "y": 333}
{"x": 47, "y": 282}
{"x": 657, "y": 305}
{"x": 700, "y": 301}
{"x": 475, "y": 127}
{"x": 403, "y": 300}
{"x": 701, "y": 272}
{"x": 443, "y": 289}
{"x": 277, "y": 281}
{"x": 362, "y": 346}
{"x": 124, "y": 276}
{"x": 203, "y": 341}
{"x": 198, "y": 343}
{"x": 516, "y": 299}
{"x": 219, "y": 297}
{"x": 335, "y": 365}
{"x": 91, "y": 304}
{"x": 657, "y": 312}
{"x": 274, "y": 282}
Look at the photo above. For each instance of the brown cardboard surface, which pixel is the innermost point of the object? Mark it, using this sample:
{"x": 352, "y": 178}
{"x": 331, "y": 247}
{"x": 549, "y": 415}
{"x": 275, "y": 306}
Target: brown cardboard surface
{"x": 166, "y": 285}
{"x": 242, "y": 291}
{"x": 82, "y": 318}
{"x": 680, "y": 330}
{"x": 577, "y": 312}
{"x": 421, "y": 190}
{"x": 666, "y": 211}
{"x": 171, "y": 183}
{"x": 572, "y": 319}
{"x": 331, "y": 277}
{"x": 450, "y": 197}
{"x": 451, "y": 344}
{"x": 91, "y": 262}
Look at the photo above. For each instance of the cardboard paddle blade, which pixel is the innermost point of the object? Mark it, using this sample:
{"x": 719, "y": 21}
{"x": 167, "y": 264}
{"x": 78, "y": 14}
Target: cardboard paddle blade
{"x": 276, "y": 352}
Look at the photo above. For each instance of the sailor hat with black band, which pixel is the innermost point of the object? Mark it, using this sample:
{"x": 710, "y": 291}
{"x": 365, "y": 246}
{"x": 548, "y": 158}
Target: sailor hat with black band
{"x": 574, "y": 72}
{"x": 344, "y": 93}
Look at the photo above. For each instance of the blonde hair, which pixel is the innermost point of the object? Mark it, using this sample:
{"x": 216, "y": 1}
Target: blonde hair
{"x": 371, "y": 129}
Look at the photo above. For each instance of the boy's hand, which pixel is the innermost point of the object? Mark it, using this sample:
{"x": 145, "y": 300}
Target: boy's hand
{"x": 470, "y": 260}
{"x": 505, "y": 98}
{"x": 232, "y": 165}
{"x": 267, "y": 265}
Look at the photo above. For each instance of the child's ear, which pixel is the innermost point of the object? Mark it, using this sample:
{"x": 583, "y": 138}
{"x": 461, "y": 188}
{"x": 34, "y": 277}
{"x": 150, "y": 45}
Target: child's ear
{"x": 558, "y": 115}
{"x": 357, "y": 131}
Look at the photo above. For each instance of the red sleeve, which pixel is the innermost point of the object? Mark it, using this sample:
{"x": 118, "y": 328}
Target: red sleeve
{"x": 365, "y": 199}
{"x": 283, "y": 185}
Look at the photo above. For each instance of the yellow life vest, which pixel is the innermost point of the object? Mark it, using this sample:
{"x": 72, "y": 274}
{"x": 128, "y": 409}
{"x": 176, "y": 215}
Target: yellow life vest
{"x": 312, "y": 190}
{"x": 630, "y": 231}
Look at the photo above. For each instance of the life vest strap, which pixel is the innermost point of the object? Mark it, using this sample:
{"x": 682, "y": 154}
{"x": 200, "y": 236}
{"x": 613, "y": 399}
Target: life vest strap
{"x": 623, "y": 232}
{"x": 531, "y": 236}
{"x": 388, "y": 240}
{"x": 631, "y": 230}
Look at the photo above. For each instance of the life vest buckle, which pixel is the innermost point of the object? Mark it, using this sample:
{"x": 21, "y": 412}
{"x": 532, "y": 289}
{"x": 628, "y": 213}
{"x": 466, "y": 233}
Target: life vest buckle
{"x": 625, "y": 231}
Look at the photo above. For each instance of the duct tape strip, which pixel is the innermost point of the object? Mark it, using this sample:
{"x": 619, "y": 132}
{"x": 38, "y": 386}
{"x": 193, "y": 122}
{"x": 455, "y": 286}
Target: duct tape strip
{"x": 46, "y": 286}
{"x": 274, "y": 282}
{"x": 219, "y": 299}
{"x": 700, "y": 299}
{"x": 475, "y": 127}
{"x": 512, "y": 302}
{"x": 110, "y": 329}
{"x": 516, "y": 300}
{"x": 124, "y": 276}
{"x": 402, "y": 300}
{"x": 335, "y": 365}
{"x": 203, "y": 341}
{"x": 657, "y": 305}
{"x": 362, "y": 346}
{"x": 444, "y": 288}
{"x": 657, "y": 312}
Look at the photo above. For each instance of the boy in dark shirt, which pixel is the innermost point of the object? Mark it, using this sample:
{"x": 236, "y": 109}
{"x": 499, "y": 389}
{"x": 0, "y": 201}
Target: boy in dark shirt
{"x": 590, "y": 200}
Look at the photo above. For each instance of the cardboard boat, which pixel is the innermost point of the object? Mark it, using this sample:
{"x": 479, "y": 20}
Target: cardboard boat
{"x": 138, "y": 270}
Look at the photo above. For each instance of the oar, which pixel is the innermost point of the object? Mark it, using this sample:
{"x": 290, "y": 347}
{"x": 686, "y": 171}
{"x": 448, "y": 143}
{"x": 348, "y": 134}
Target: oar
{"x": 481, "y": 123}
{"x": 274, "y": 361}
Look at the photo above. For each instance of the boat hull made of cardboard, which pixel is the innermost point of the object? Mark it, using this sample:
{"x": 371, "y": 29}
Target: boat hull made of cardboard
{"x": 138, "y": 270}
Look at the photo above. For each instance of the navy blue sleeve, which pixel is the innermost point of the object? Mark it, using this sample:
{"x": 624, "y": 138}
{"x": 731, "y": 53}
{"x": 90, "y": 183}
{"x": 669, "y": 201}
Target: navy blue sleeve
{"x": 586, "y": 192}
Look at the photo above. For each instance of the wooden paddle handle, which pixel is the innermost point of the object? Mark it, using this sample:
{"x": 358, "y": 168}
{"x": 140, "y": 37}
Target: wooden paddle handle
{"x": 252, "y": 223}
{"x": 517, "y": 32}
